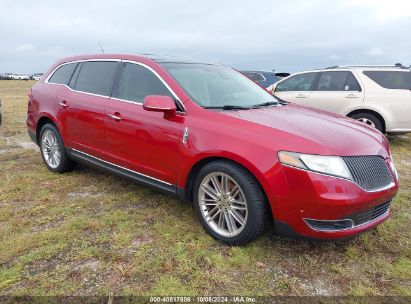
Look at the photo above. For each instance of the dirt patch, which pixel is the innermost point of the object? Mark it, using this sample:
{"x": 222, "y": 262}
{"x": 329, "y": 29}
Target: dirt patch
{"x": 318, "y": 287}
{"x": 28, "y": 145}
{"x": 48, "y": 225}
{"x": 48, "y": 265}
{"x": 10, "y": 148}
{"x": 85, "y": 193}
{"x": 92, "y": 265}
{"x": 132, "y": 205}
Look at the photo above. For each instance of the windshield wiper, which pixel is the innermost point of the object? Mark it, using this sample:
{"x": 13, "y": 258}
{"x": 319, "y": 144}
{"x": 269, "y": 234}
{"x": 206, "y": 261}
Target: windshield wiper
{"x": 228, "y": 107}
{"x": 266, "y": 104}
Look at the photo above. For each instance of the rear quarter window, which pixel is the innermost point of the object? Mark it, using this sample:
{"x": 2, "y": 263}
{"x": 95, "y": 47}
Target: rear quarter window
{"x": 63, "y": 74}
{"x": 397, "y": 80}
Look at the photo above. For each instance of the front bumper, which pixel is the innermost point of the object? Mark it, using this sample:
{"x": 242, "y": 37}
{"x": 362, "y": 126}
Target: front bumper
{"x": 318, "y": 197}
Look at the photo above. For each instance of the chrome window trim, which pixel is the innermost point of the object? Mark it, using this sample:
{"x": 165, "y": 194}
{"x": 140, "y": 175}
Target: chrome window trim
{"x": 390, "y": 185}
{"x": 132, "y": 171}
{"x": 345, "y": 229}
{"x": 264, "y": 79}
{"x": 116, "y": 60}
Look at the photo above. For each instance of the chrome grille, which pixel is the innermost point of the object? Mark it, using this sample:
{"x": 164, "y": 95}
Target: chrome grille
{"x": 369, "y": 172}
{"x": 370, "y": 215}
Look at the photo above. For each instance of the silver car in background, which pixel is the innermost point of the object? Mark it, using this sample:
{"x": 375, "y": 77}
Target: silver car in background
{"x": 379, "y": 96}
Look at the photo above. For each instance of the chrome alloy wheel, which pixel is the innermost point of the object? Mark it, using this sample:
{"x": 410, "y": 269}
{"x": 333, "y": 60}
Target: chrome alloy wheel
{"x": 50, "y": 149}
{"x": 223, "y": 204}
{"x": 366, "y": 121}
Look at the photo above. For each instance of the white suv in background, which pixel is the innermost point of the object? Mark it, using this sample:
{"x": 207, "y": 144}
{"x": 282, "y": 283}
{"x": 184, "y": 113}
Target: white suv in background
{"x": 379, "y": 96}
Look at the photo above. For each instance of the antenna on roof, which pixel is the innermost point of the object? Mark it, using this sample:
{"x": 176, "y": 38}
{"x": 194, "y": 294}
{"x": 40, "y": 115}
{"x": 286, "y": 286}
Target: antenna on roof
{"x": 98, "y": 42}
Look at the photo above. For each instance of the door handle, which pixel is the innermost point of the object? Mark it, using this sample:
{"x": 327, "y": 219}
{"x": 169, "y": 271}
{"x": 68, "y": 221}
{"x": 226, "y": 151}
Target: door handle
{"x": 115, "y": 116}
{"x": 351, "y": 96}
{"x": 301, "y": 96}
{"x": 64, "y": 104}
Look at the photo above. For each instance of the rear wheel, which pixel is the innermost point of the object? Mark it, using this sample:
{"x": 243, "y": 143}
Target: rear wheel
{"x": 52, "y": 150}
{"x": 369, "y": 119}
{"x": 230, "y": 203}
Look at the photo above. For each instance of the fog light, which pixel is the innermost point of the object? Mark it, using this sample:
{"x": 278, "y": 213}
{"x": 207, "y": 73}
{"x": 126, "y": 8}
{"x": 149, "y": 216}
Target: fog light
{"x": 329, "y": 225}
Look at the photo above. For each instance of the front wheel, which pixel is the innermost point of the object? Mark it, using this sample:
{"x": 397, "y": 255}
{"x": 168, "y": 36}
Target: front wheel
{"x": 230, "y": 203}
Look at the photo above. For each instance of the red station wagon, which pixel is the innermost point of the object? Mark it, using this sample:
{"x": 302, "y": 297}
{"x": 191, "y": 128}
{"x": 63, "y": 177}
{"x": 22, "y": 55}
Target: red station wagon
{"x": 209, "y": 135}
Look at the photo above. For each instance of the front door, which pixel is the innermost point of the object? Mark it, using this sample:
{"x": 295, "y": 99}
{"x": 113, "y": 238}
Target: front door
{"x": 296, "y": 88}
{"x": 138, "y": 140}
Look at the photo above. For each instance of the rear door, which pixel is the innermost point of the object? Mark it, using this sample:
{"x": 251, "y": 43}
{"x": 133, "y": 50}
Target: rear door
{"x": 142, "y": 141}
{"x": 82, "y": 108}
{"x": 337, "y": 92}
{"x": 296, "y": 88}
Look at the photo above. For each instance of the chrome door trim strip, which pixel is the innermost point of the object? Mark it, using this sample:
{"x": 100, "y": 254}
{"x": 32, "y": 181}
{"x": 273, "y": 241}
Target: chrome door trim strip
{"x": 115, "y": 60}
{"x": 123, "y": 168}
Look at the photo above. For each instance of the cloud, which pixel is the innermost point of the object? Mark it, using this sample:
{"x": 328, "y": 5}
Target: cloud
{"x": 386, "y": 10}
{"x": 287, "y": 36}
{"x": 374, "y": 52}
{"x": 26, "y": 48}
{"x": 334, "y": 57}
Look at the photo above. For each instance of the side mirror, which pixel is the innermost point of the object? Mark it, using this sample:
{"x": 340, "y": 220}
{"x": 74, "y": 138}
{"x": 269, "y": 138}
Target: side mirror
{"x": 159, "y": 103}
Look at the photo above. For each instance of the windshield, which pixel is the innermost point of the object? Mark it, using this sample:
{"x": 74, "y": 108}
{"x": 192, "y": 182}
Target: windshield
{"x": 213, "y": 86}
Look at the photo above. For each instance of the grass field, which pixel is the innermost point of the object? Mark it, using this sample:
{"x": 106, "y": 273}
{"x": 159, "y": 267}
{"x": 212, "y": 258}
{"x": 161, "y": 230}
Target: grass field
{"x": 89, "y": 232}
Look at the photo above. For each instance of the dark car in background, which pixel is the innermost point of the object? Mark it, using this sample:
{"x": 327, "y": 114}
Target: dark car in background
{"x": 5, "y": 76}
{"x": 264, "y": 78}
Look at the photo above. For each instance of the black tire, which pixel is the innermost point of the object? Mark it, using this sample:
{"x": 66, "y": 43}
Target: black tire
{"x": 378, "y": 124}
{"x": 65, "y": 164}
{"x": 258, "y": 211}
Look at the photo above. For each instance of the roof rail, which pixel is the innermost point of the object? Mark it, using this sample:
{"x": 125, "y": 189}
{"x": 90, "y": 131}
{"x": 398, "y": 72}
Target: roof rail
{"x": 397, "y": 65}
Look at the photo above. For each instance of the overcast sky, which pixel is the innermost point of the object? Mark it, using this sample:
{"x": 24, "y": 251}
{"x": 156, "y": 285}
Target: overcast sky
{"x": 283, "y": 35}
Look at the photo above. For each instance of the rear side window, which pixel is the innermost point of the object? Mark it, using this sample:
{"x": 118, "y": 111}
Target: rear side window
{"x": 63, "y": 74}
{"x": 300, "y": 82}
{"x": 257, "y": 77}
{"x": 391, "y": 79}
{"x": 138, "y": 82}
{"x": 337, "y": 81}
{"x": 96, "y": 77}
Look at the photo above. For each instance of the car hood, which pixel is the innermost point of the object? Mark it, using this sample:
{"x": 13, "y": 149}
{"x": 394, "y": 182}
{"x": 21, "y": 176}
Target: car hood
{"x": 309, "y": 130}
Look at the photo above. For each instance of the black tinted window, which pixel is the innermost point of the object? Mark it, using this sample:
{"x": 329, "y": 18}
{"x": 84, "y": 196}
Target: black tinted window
{"x": 332, "y": 81}
{"x": 138, "y": 82}
{"x": 254, "y": 76}
{"x": 96, "y": 77}
{"x": 63, "y": 74}
{"x": 352, "y": 84}
{"x": 301, "y": 82}
{"x": 391, "y": 79}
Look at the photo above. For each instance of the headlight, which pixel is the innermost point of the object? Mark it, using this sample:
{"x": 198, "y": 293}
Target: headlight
{"x": 330, "y": 165}
{"x": 392, "y": 165}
